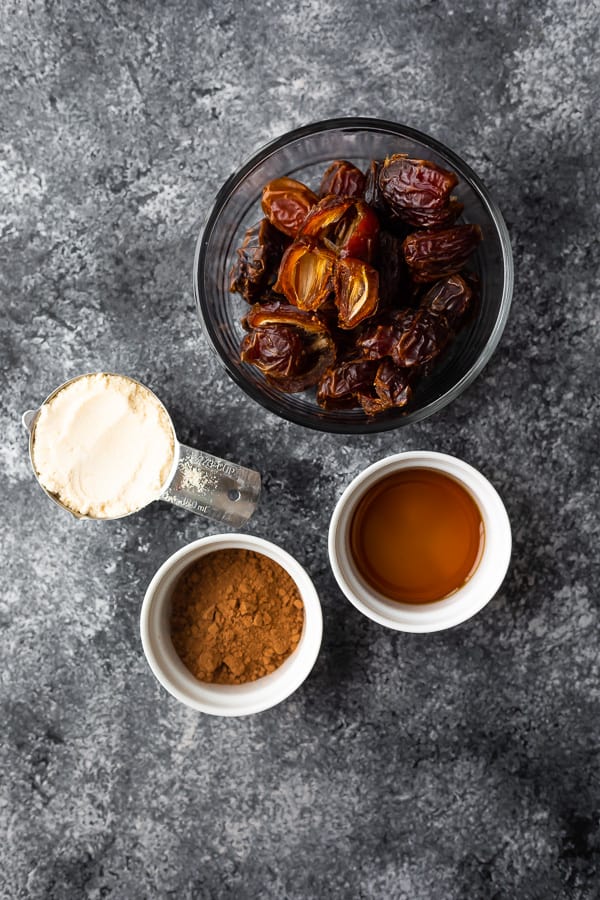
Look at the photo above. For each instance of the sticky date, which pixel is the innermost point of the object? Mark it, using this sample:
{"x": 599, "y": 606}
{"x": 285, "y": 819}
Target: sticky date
{"x": 343, "y": 179}
{"x": 286, "y": 203}
{"x": 356, "y": 291}
{"x": 431, "y": 255}
{"x": 255, "y": 268}
{"x": 346, "y": 227}
{"x": 414, "y": 184}
{"x": 306, "y": 274}
{"x": 451, "y": 298}
{"x": 340, "y": 385}
{"x": 392, "y": 389}
{"x": 433, "y": 218}
{"x": 291, "y": 348}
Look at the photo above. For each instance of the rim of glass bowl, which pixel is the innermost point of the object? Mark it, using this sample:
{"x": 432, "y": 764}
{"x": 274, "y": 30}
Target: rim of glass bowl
{"x": 318, "y": 420}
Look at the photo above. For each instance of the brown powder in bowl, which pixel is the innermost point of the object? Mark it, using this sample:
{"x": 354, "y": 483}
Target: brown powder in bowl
{"x": 236, "y": 615}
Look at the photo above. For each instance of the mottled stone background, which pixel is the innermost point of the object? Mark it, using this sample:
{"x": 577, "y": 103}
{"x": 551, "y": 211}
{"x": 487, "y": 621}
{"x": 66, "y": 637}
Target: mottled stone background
{"x": 457, "y": 765}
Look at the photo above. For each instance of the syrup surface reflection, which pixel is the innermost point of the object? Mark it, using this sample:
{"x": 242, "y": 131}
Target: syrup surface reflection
{"x": 417, "y": 536}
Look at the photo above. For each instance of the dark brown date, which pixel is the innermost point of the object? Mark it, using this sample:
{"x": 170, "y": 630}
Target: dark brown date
{"x": 291, "y": 348}
{"x": 433, "y": 218}
{"x": 356, "y": 291}
{"x": 422, "y": 340}
{"x": 306, "y": 275}
{"x": 431, "y": 255}
{"x": 343, "y": 179}
{"x": 392, "y": 389}
{"x": 414, "y": 184}
{"x": 451, "y": 298}
{"x": 277, "y": 350}
{"x": 345, "y": 226}
{"x": 255, "y": 268}
{"x": 340, "y": 385}
{"x": 286, "y": 203}
{"x": 379, "y": 339}
{"x": 411, "y": 337}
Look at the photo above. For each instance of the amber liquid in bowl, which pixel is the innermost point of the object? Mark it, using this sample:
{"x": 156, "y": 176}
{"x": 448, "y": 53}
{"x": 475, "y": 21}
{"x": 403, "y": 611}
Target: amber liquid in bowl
{"x": 417, "y": 536}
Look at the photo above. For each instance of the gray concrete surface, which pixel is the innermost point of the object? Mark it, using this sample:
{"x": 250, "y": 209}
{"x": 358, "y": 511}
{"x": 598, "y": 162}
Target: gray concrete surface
{"x": 457, "y": 765}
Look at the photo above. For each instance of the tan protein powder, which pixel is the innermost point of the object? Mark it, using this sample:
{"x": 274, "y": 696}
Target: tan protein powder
{"x": 104, "y": 446}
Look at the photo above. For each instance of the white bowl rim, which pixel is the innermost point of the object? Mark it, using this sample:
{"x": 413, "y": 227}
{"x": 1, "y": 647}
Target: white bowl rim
{"x": 459, "y": 606}
{"x": 218, "y": 699}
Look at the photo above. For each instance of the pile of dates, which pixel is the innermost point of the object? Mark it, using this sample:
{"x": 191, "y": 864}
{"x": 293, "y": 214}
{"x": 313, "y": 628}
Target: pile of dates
{"x": 359, "y": 289}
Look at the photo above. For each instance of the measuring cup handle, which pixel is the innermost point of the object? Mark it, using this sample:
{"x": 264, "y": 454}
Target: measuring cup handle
{"x": 213, "y": 487}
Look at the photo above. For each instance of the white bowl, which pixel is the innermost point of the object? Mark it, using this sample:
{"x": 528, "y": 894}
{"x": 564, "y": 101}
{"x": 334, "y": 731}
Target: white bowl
{"x": 225, "y": 699}
{"x": 459, "y": 606}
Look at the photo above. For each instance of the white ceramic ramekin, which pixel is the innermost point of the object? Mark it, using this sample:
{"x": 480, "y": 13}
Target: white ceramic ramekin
{"x": 224, "y": 699}
{"x": 465, "y": 602}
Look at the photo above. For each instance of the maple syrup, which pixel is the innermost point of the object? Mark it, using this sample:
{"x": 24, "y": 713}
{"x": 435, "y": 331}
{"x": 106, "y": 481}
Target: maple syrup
{"x": 417, "y": 536}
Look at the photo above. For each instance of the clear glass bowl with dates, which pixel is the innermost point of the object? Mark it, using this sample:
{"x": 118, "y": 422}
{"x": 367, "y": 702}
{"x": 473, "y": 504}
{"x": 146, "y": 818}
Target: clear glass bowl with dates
{"x": 304, "y": 155}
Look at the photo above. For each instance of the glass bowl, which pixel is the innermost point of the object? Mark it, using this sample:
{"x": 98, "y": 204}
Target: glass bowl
{"x": 304, "y": 154}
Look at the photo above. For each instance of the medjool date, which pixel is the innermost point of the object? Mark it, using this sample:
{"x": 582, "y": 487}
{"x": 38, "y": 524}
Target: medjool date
{"x": 356, "y": 291}
{"x": 306, "y": 275}
{"x": 347, "y": 227}
{"x": 255, "y": 268}
{"x": 451, "y": 298}
{"x": 431, "y": 255}
{"x": 291, "y": 348}
{"x": 340, "y": 385}
{"x": 379, "y": 339}
{"x": 424, "y": 338}
{"x": 392, "y": 389}
{"x": 411, "y": 337}
{"x": 433, "y": 218}
{"x": 285, "y": 203}
{"x": 414, "y": 184}
{"x": 343, "y": 179}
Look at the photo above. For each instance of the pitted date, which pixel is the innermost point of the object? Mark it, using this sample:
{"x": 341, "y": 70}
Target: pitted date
{"x": 431, "y": 255}
{"x": 291, "y": 348}
{"x": 442, "y": 217}
{"x": 414, "y": 184}
{"x": 345, "y": 226}
{"x": 451, "y": 298}
{"x": 306, "y": 274}
{"x": 411, "y": 337}
{"x": 340, "y": 385}
{"x": 286, "y": 203}
{"x": 277, "y": 350}
{"x": 265, "y": 315}
{"x": 424, "y": 338}
{"x": 379, "y": 339}
{"x": 392, "y": 389}
{"x": 356, "y": 291}
{"x": 343, "y": 179}
{"x": 257, "y": 263}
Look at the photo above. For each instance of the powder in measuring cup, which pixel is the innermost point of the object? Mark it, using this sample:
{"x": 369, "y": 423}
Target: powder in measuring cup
{"x": 104, "y": 446}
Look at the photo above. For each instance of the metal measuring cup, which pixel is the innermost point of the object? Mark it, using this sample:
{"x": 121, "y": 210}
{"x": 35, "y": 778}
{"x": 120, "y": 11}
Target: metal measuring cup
{"x": 202, "y": 483}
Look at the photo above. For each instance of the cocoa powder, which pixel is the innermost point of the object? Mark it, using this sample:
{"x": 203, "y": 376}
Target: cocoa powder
{"x": 236, "y": 615}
